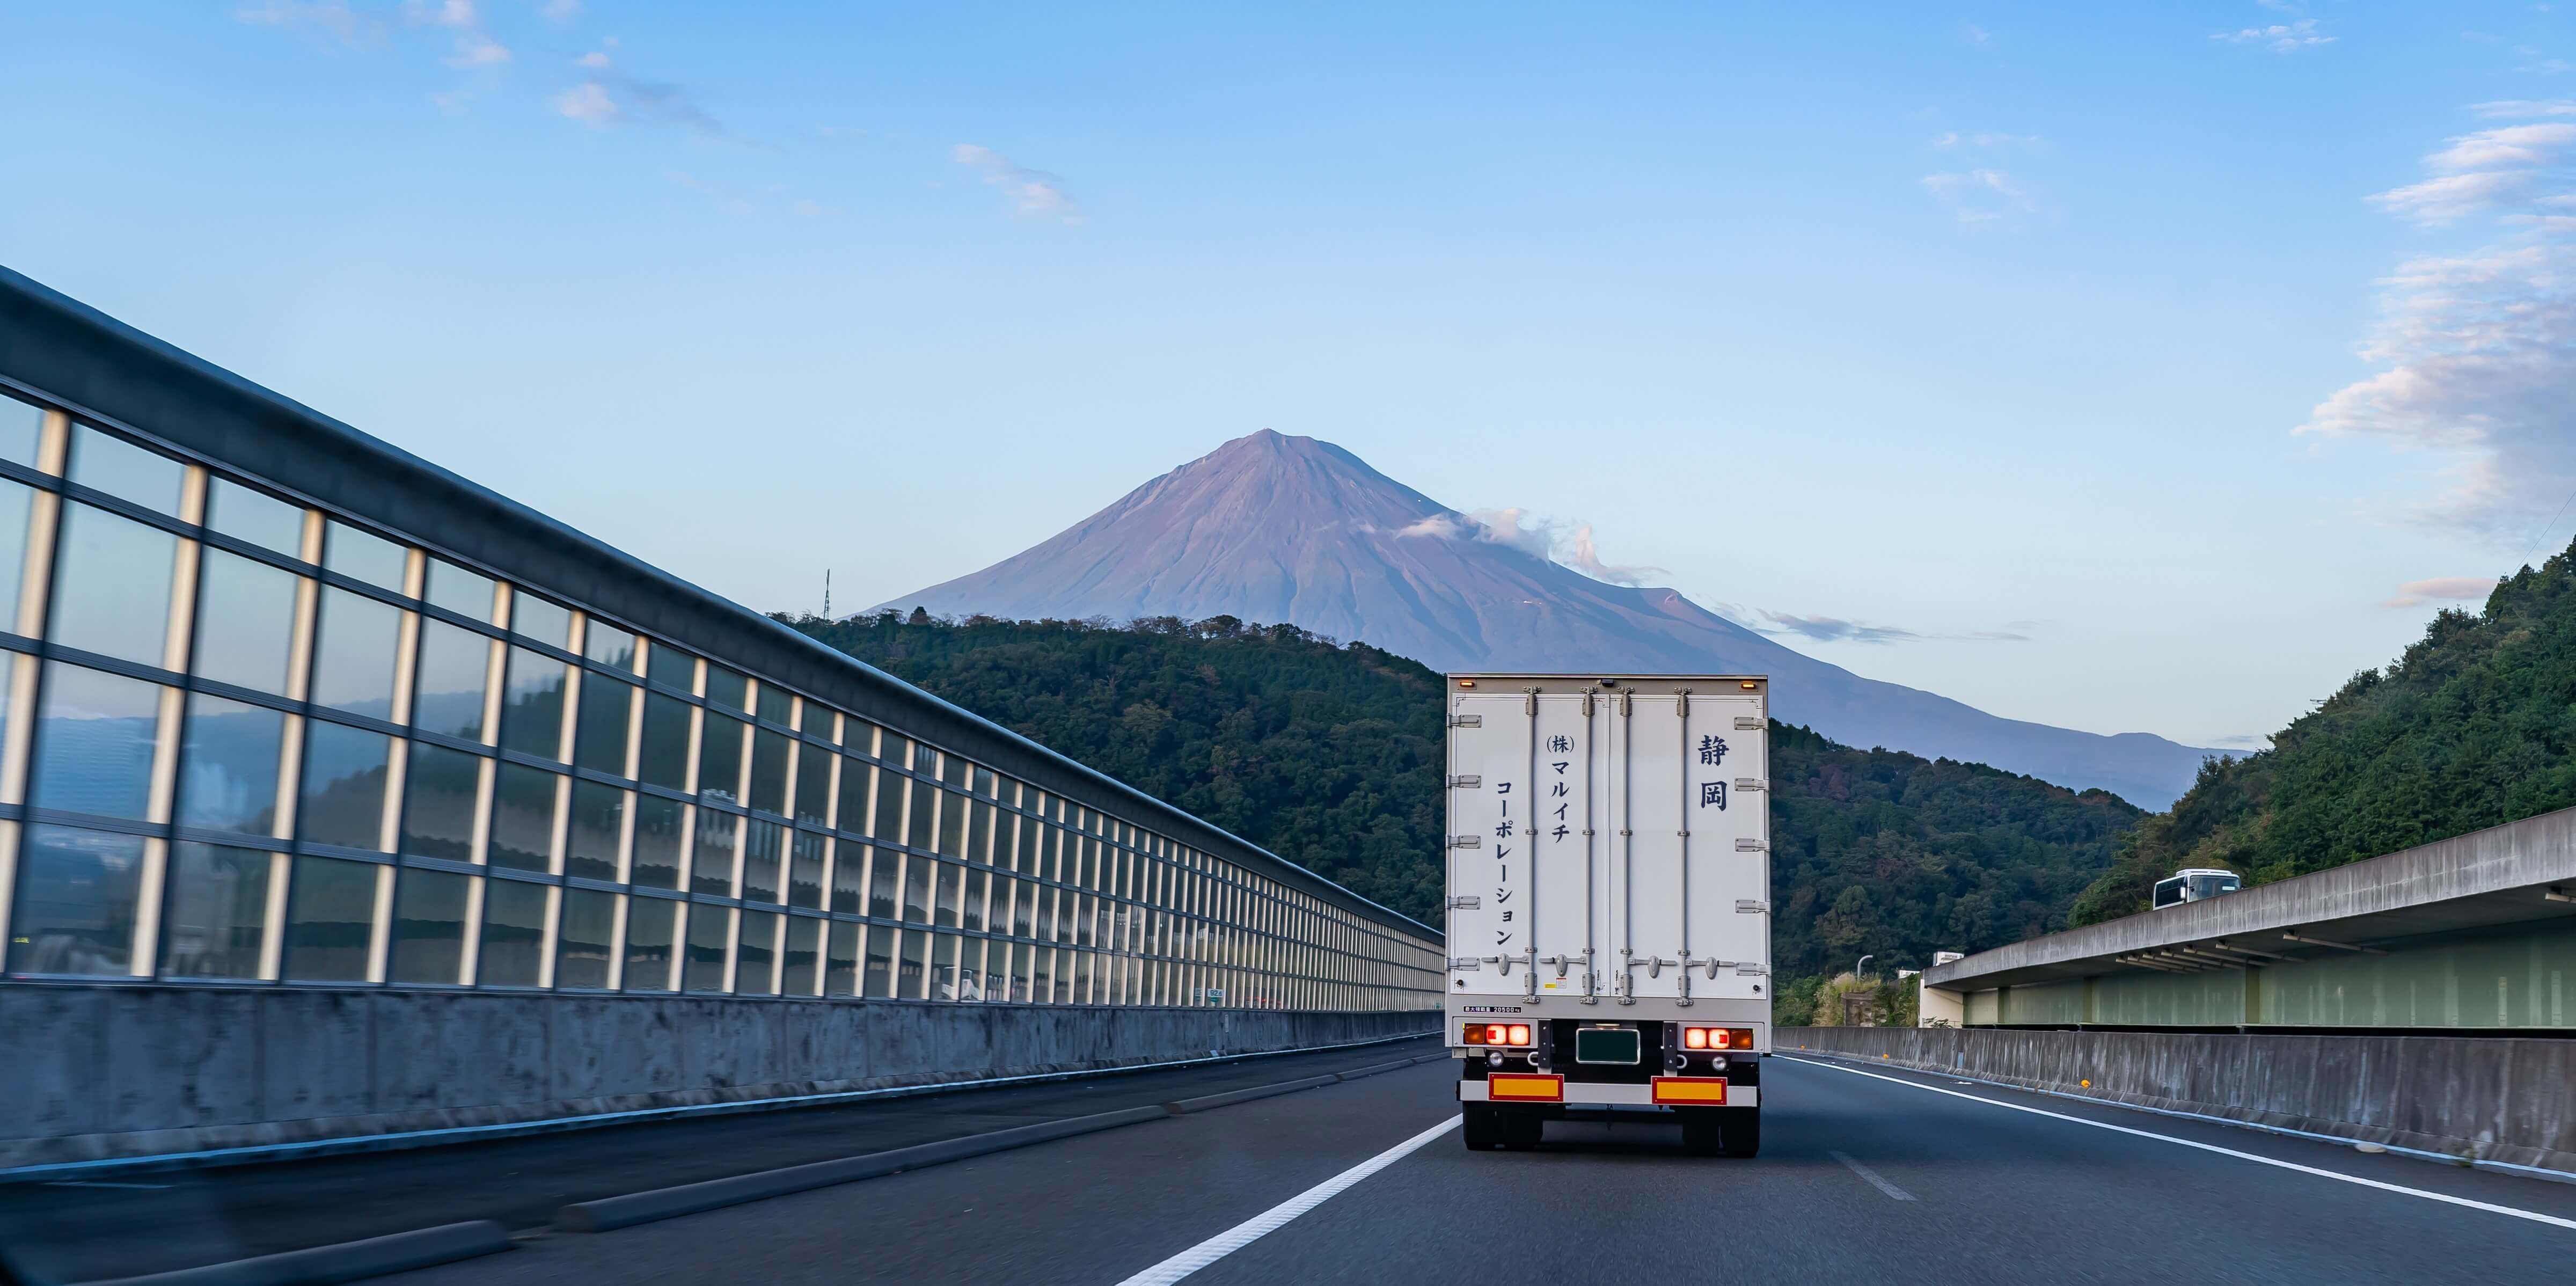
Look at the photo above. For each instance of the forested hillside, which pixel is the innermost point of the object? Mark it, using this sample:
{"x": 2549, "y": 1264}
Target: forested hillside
{"x": 2474, "y": 726}
{"x": 1330, "y": 756}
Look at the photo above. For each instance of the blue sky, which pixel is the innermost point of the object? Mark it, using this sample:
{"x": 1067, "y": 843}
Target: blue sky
{"x": 2111, "y": 369}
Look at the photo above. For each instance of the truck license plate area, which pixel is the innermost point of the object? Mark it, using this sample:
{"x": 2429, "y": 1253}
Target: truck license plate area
{"x": 1606, "y": 1045}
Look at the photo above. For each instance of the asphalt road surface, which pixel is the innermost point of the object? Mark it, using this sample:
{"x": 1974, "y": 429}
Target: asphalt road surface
{"x": 1866, "y": 1175}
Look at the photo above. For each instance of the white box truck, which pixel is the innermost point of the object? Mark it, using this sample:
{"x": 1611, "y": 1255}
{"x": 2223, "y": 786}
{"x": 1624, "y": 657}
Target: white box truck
{"x": 1609, "y": 923}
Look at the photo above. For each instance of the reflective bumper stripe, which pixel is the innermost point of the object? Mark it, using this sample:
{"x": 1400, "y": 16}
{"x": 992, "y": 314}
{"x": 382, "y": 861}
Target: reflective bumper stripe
{"x": 1580, "y": 1092}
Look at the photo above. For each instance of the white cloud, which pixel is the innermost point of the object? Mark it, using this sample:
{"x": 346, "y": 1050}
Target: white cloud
{"x": 2477, "y": 348}
{"x": 2525, "y": 108}
{"x": 2416, "y": 593}
{"x": 1991, "y": 141}
{"x": 559, "y": 11}
{"x": 1035, "y": 194}
{"x": 331, "y": 20}
{"x": 1979, "y": 195}
{"x": 1835, "y": 629}
{"x": 1567, "y": 544}
{"x": 588, "y": 103}
{"x": 463, "y": 21}
{"x": 1975, "y": 35}
{"x": 607, "y": 96}
{"x": 2279, "y": 37}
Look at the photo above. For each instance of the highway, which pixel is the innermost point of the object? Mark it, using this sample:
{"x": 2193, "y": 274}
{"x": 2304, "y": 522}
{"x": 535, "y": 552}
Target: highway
{"x": 1865, "y": 1176}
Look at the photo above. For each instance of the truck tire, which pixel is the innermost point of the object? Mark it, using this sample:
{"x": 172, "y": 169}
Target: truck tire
{"x": 1740, "y": 1130}
{"x": 1523, "y": 1127}
{"x": 1483, "y": 1127}
{"x": 1701, "y": 1131}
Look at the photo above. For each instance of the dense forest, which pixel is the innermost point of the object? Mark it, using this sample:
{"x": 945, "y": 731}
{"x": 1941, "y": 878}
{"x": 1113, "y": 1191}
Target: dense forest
{"x": 2472, "y": 727}
{"x": 1330, "y": 756}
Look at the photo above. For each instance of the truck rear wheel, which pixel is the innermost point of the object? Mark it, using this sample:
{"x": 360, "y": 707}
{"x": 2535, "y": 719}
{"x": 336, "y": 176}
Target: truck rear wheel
{"x": 1740, "y": 1130}
{"x": 1700, "y": 1131}
{"x": 1483, "y": 1127}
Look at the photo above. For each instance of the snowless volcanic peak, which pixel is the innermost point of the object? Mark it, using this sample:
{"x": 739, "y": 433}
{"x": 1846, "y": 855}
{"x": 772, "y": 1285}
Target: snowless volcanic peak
{"x": 1272, "y": 527}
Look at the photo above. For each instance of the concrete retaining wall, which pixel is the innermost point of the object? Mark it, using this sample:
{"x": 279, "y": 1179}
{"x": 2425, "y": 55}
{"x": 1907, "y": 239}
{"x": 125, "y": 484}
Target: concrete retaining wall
{"x": 90, "y": 1072}
{"x": 2489, "y": 1099}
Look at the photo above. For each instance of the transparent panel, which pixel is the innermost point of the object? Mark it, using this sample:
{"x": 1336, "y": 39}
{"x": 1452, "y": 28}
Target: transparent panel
{"x": 466, "y": 593}
{"x": 945, "y": 897}
{"x": 970, "y": 910}
{"x": 727, "y": 688}
{"x": 590, "y": 845}
{"x": 17, "y": 502}
{"x": 711, "y": 863}
{"x": 344, "y": 785}
{"x": 77, "y": 893}
{"x": 853, "y": 815}
{"x": 880, "y": 971}
{"x": 916, "y": 888}
{"x": 756, "y": 959}
{"x": 218, "y": 912}
{"x": 1042, "y": 986}
{"x": 254, "y": 516}
{"x": 813, "y": 784}
{"x": 943, "y": 967}
{"x": 608, "y": 645}
{"x": 768, "y": 771}
{"x": 800, "y": 958}
{"x": 720, "y": 757}
{"x": 777, "y": 705}
{"x": 710, "y": 932}
{"x": 364, "y": 555}
{"x": 523, "y": 818}
{"x": 125, "y": 470}
{"x": 22, "y": 430}
{"x": 586, "y": 938}
{"x": 664, "y": 663}
{"x": 532, "y": 704}
{"x": 658, "y": 836}
{"x": 353, "y": 664}
{"x": 112, "y": 586}
{"x": 912, "y": 967}
{"x": 663, "y": 752}
{"x": 330, "y": 919}
{"x": 429, "y": 927}
{"x": 534, "y": 617}
{"x": 228, "y": 766}
{"x": 650, "y": 923}
{"x": 762, "y": 857}
{"x": 439, "y": 789}
{"x": 841, "y": 959}
{"x": 1024, "y": 909}
{"x": 917, "y": 820}
{"x": 448, "y": 682}
{"x": 599, "y": 739}
{"x": 245, "y": 621}
{"x": 514, "y": 934}
{"x": 805, "y": 871}
{"x": 95, "y": 741}
{"x": 890, "y": 795}
{"x": 849, "y": 877}
{"x": 952, "y": 824}
{"x": 1021, "y": 989}
{"x": 883, "y": 870}
{"x": 979, "y": 841}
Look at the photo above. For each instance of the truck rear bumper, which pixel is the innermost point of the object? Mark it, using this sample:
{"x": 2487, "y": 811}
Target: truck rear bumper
{"x": 1628, "y": 1095}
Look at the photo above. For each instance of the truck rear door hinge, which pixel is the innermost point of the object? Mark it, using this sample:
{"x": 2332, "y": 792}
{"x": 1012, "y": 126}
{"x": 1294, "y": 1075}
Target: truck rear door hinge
{"x": 1748, "y": 723}
{"x": 1464, "y": 902}
{"x": 1465, "y": 962}
{"x": 1468, "y": 782}
{"x": 1752, "y": 906}
{"x": 1744, "y": 970}
{"x": 1466, "y": 721}
{"x": 1743, "y": 844}
{"x": 1751, "y": 783}
{"x": 1472, "y": 841}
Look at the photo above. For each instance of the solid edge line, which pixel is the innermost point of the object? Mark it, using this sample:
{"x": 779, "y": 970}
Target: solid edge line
{"x": 2443, "y": 1197}
{"x": 607, "y": 1214}
{"x": 2339, "y": 1140}
{"x": 1253, "y": 1229}
{"x": 342, "y": 1261}
{"x": 397, "y": 1141}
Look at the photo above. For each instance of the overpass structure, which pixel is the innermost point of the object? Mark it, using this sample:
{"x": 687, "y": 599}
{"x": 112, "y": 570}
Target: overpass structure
{"x": 341, "y": 797}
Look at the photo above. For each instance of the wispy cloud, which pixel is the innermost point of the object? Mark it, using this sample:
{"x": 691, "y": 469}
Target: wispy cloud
{"x": 606, "y": 96}
{"x": 1568, "y": 544}
{"x": 1979, "y": 195}
{"x": 2279, "y": 37}
{"x": 1034, "y": 194}
{"x": 1975, "y": 35}
{"x": 1820, "y": 628}
{"x": 2242, "y": 739}
{"x": 1989, "y": 141}
{"x": 2478, "y": 347}
{"x": 2442, "y": 589}
{"x": 332, "y": 22}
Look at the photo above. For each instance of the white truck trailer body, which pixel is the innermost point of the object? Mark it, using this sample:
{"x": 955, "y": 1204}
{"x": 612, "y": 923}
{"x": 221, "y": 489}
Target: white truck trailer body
{"x": 1609, "y": 871}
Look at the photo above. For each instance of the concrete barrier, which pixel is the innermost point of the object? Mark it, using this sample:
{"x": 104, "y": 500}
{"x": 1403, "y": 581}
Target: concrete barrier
{"x": 2491, "y": 1099}
{"x": 104, "y": 1071}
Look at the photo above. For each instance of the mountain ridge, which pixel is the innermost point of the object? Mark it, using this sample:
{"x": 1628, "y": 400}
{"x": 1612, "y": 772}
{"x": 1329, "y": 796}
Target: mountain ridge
{"x": 1274, "y": 527}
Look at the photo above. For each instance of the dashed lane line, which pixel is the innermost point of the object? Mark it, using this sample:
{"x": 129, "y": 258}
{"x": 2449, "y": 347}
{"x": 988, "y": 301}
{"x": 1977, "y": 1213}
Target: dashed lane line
{"x": 1893, "y": 1192}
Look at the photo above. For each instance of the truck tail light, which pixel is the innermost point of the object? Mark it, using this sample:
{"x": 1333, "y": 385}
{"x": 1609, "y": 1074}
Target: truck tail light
{"x": 1504, "y": 1035}
{"x": 1520, "y": 1034}
{"x": 1717, "y": 1038}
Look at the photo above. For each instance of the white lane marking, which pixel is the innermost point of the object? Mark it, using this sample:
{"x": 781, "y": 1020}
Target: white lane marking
{"x": 1893, "y": 1192}
{"x": 101, "y": 1183}
{"x": 2443, "y": 1197}
{"x": 1253, "y": 1229}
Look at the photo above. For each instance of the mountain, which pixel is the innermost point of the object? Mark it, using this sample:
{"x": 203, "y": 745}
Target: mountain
{"x": 1277, "y": 528}
{"x": 1330, "y": 756}
{"x": 2473, "y": 726}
